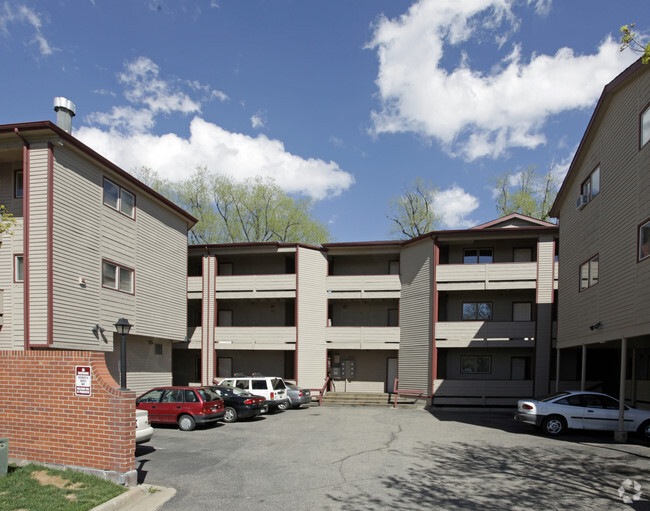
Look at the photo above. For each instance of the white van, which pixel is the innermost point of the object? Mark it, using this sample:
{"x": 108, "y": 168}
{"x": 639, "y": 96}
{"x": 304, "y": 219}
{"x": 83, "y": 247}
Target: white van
{"x": 270, "y": 387}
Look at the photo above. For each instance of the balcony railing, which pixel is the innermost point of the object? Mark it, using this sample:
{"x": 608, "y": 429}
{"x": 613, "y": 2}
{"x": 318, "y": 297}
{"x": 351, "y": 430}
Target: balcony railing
{"x": 455, "y": 277}
{"x": 363, "y": 286}
{"x": 462, "y": 334}
{"x": 481, "y": 392}
{"x": 255, "y": 337}
{"x": 362, "y": 337}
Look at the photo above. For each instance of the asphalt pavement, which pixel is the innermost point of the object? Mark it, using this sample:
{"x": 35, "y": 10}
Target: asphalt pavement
{"x": 343, "y": 458}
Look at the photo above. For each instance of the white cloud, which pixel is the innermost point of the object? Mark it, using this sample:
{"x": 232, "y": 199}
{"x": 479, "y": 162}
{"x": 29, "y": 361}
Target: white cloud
{"x": 455, "y": 204}
{"x": 474, "y": 114}
{"x": 258, "y": 121}
{"x": 125, "y": 135}
{"x": 23, "y": 14}
{"x": 235, "y": 154}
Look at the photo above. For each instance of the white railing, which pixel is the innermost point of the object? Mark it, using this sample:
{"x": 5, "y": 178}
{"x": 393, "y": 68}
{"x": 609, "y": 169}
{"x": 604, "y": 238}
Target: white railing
{"x": 256, "y": 283}
{"x": 194, "y": 284}
{"x": 451, "y": 277}
{"x": 255, "y": 337}
{"x": 481, "y": 392}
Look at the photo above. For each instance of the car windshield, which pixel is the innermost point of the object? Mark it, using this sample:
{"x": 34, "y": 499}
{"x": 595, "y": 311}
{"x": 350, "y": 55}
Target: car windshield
{"x": 208, "y": 395}
{"x": 554, "y": 396}
{"x": 277, "y": 383}
{"x": 291, "y": 386}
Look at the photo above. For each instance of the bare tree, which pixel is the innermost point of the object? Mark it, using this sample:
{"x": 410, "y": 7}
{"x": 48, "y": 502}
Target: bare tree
{"x": 412, "y": 213}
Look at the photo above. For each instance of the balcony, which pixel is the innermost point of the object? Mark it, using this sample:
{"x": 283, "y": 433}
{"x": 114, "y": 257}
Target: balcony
{"x": 477, "y": 277}
{"x": 255, "y": 338}
{"x": 194, "y": 284}
{"x": 485, "y": 334}
{"x": 256, "y": 286}
{"x": 363, "y": 286}
{"x": 362, "y": 337}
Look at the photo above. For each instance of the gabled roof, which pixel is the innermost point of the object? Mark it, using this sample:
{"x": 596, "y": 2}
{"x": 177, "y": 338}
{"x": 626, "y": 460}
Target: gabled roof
{"x": 43, "y": 126}
{"x": 608, "y": 91}
{"x": 501, "y": 222}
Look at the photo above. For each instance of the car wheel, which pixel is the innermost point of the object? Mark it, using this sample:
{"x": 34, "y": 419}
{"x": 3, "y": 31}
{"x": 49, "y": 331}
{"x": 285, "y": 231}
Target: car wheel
{"x": 644, "y": 430}
{"x": 283, "y": 406}
{"x": 554, "y": 425}
{"x": 186, "y": 423}
{"x": 295, "y": 407}
{"x": 231, "y": 415}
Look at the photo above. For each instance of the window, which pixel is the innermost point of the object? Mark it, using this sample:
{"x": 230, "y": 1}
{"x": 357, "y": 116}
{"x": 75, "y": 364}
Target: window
{"x": 18, "y": 269}
{"x": 476, "y": 364}
{"x": 117, "y": 277}
{"x": 477, "y": 255}
{"x": 589, "y": 273}
{"x": 118, "y": 198}
{"x": 477, "y": 311}
{"x": 18, "y": 184}
{"x": 591, "y": 186}
{"x": 644, "y": 240}
{"x": 522, "y": 311}
{"x": 158, "y": 349}
{"x": 645, "y": 126}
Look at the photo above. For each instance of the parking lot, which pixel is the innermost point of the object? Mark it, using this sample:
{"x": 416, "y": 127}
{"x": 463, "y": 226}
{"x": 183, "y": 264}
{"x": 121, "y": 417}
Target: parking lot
{"x": 376, "y": 458}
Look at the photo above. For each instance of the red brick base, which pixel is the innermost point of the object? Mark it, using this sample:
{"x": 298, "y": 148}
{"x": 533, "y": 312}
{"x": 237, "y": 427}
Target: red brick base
{"x": 46, "y": 422}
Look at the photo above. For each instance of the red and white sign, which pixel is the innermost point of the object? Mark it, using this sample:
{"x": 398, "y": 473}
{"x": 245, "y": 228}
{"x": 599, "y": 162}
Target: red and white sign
{"x": 82, "y": 381}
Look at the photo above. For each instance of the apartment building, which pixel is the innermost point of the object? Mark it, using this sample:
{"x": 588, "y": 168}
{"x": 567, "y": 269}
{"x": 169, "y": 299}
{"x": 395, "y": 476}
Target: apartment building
{"x": 91, "y": 245}
{"x": 464, "y": 316}
{"x": 604, "y": 212}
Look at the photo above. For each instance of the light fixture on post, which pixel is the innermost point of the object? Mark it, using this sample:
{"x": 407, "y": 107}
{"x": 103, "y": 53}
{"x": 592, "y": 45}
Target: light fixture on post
{"x": 123, "y": 327}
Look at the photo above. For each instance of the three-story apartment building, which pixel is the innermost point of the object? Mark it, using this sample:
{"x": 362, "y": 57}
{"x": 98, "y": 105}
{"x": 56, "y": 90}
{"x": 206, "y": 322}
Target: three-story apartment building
{"x": 464, "y": 316}
{"x": 91, "y": 244}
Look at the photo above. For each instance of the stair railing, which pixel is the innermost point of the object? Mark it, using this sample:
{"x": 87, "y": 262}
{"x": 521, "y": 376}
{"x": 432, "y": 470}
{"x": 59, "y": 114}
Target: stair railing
{"x": 417, "y": 394}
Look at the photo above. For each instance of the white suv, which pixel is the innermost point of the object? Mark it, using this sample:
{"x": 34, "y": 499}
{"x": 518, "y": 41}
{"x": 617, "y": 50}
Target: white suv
{"x": 270, "y": 387}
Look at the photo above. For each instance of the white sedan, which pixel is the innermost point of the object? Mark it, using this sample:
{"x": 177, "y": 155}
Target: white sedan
{"x": 580, "y": 410}
{"x": 143, "y": 430}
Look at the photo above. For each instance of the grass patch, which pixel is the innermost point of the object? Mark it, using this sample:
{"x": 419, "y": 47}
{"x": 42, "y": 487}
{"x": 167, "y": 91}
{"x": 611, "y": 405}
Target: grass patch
{"x": 36, "y": 488}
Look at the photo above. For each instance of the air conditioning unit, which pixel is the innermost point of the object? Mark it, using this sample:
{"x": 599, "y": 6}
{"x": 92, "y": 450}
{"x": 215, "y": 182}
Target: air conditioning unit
{"x": 582, "y": 201}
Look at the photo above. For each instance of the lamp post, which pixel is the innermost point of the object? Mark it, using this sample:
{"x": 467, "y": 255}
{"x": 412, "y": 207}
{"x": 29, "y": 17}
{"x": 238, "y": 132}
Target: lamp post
{"x": 123, "y": 327}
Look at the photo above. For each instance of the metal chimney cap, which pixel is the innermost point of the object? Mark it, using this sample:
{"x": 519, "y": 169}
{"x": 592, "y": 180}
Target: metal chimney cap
{"x": 60, "y": 102}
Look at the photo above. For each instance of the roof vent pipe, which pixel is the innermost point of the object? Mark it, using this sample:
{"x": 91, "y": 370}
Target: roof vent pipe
{"x": 65, "y": 111}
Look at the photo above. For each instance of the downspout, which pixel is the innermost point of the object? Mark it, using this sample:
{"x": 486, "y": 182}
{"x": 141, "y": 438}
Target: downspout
{"x": 25, "y": 238}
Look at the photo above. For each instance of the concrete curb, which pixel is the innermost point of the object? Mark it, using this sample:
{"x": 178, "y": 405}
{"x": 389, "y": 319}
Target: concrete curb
{"x": 144, "y": 497}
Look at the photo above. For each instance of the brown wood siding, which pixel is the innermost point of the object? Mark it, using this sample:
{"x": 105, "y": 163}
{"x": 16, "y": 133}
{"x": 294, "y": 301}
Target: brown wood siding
{"x": 311, "y": 349}
{"x": 416, "y": 316}
{"x": 607, "y": 226}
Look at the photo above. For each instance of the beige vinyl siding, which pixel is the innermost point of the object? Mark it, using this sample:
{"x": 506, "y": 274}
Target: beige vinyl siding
{"x": 416, "y": 316}
{"x": 85, "y": 232}
{"x": 38, "y": 244}
{"x": 12, "y": 331}
{"x": 311, "y": 351}
{"x": 145, "y": 368}
{"x": 607, "y": 226}
{"x": 210, "y": 308}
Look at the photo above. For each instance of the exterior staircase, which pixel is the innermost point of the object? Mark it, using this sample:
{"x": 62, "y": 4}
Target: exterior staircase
{"x": 365, "y": 399}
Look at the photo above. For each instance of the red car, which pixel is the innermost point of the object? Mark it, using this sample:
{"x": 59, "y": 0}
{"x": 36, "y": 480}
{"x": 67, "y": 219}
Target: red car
{"x": 185, "y": 406}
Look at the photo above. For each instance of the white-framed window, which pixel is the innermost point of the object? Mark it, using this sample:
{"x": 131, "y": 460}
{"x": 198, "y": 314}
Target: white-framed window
{"x": 476, "y": 364}
{"x": 591, "y": 186}
{"x": 645, "y": 127}
{"x": 19, "y": 268}
{"x": 477, "y": 311}
{"x": 477, "y": 256}
{"x": 644, "y": 240}
{"x": 119, "y": 198}
{"x": 118, "y": 277}
{"x": 18, "y": 184}
{"x": 589, "y": 273}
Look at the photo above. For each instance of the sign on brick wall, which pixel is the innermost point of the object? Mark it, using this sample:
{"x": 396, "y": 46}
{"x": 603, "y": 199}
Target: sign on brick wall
{"x": 82, "y": 381}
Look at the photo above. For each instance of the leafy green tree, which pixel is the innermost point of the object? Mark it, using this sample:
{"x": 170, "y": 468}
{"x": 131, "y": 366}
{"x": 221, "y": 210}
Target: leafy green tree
{"x": 412, "y": 213}
{"x": 526, "y": 192}
{"x": 230, "y": 211}
{"x": 629, "y": 40}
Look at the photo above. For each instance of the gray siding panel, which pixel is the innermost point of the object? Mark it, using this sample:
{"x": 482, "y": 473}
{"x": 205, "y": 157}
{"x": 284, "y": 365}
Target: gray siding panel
{"x": 416, "y": 316}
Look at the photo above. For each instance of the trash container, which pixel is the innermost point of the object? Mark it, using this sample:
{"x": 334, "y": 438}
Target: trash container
{"x": 4, "y": 456}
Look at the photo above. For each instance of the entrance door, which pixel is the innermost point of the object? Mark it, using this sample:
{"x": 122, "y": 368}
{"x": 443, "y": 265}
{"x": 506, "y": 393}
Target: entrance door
{"x": 391, "y": 374}
{"x": 224, "y": 367}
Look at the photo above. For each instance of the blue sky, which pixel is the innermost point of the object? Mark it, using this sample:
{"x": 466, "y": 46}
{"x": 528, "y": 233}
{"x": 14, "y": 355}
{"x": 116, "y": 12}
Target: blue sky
{"x": 345, "y": 102}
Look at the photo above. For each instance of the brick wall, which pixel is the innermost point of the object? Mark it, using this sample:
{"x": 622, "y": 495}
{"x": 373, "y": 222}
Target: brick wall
{"x": 47, "y": 423}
